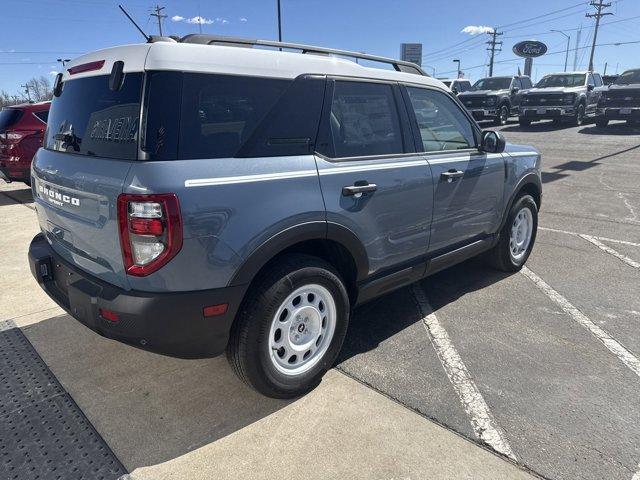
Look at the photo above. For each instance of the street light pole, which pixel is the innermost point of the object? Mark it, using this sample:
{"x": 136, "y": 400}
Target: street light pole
{"x": 459, "y": 71}
{"x": 433, "y": 69}
{"x": 63, "y": 61}
{"x": 566, "y": 56}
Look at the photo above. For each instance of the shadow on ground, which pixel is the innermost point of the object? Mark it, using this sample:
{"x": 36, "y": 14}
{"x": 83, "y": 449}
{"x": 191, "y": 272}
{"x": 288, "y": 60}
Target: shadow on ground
{"x": 149, "y": 408}
{"x": 619, "y": 128}
{"x": 10, "y": 197}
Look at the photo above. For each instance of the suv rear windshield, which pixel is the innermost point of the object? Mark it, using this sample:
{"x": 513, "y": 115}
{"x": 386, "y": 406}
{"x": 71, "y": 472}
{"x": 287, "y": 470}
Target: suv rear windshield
{"x": 570, "y": 80}
{"x": 9, "y": 117}
{"x": 88, "y": 118}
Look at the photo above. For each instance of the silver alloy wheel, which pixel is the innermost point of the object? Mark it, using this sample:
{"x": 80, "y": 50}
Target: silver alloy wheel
{"x": 521, "y": 232}
{"x": 302, "y": 329}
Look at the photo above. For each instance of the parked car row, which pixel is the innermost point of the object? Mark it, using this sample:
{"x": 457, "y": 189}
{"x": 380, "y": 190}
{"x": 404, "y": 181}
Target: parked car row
{"x": 570, "y": 97}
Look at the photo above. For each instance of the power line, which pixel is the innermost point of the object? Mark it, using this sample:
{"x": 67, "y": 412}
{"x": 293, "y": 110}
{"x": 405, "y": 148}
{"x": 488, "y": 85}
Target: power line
{"x": 543, "y": 15}
{"x": 599, "y": 6}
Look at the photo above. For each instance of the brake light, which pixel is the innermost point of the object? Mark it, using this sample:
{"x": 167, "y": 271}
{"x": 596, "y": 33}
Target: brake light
{"x": 86, "y": 67}
{"x": 150, "y": 231}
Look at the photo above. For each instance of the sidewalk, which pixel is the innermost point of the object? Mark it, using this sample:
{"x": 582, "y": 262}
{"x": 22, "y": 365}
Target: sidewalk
{"x": 172, "y": 419}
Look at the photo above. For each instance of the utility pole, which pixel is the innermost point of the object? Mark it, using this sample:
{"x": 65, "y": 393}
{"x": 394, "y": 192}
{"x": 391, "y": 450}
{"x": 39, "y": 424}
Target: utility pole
{"x": 159, "y": 16}
{"x": 492, "y": 47}
{"x": 575, "y": 51}
{"x": 26, "y": 90}
{"x": 598, "y": 5}
{"x": 459, "y": 71}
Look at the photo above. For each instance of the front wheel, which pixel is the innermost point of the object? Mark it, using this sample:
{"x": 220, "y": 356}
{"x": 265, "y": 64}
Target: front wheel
{"x": 517, "y": 236}
{"x": 503, "y": 115}
{"x": 290, "y": 327}
{"x": 578, "y": 118}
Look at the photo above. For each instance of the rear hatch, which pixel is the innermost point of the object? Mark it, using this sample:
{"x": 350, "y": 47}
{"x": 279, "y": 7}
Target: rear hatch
{"x": 90, "y": 145}
{"x": 9, "y": 118}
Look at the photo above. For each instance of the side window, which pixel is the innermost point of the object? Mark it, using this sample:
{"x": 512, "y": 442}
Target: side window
{"x": 442, "y": 124}
{"x": 42, "y": 116}
{"x": 590, "y": 80}
{"x": 464, "y": 86}
{"x": 517, "y": 83}
{"x": 219, "y": 112}
{"x": 526, "y": 82}
{"x": 364, "y": 120}
{"x": 597, "y": 79}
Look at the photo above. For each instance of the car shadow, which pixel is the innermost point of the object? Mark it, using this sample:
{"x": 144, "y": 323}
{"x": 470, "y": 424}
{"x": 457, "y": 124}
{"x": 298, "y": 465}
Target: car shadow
{"x": 381, "y": 319}
{"x": 149, "y": 408}
{"x": 11, "y": 197}
{"x": 544, "y": 126}
{"x": 619, "y": 128}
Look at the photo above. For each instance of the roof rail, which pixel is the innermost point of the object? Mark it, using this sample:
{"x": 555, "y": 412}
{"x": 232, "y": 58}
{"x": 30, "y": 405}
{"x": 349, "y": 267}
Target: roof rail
{"x": 202, "y": 39}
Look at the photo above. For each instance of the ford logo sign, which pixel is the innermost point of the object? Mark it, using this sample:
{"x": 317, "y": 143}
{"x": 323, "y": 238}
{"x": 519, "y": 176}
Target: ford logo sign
{"x": 529, "y": 49}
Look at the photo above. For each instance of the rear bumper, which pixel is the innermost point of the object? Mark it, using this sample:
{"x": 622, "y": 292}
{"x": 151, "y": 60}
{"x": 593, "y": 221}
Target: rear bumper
{"x": 632, "y": 113}
{"x": 14, "y": 170}
{"x": 168, "y": 323}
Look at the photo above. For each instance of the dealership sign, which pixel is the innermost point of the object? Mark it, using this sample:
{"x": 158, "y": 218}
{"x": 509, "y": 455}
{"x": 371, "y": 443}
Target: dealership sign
{"x": 529, "y": 49}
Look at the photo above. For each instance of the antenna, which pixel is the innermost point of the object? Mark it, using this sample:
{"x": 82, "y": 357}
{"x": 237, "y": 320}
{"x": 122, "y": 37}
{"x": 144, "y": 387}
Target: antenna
{"x": 146, "y": 37}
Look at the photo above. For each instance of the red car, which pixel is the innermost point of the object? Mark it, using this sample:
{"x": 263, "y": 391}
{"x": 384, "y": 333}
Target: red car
{"x": 21, "y": 132}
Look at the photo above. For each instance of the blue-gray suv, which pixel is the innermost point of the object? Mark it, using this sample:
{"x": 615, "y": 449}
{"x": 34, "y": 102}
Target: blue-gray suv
{"x": 195, "y": 197}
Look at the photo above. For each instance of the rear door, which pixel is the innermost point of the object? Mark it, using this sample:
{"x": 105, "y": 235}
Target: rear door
{"x": 372, "y": 180}
{"x": 468, "y": 183}
{"x": 90, "y": 145}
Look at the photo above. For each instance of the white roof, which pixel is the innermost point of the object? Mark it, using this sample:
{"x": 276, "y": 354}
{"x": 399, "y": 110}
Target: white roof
{"x": 230, "y": 60}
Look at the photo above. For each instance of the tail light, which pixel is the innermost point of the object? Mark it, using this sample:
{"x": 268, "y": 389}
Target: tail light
{"x": 150, "y": 231}
{"x": 10, "y": 144}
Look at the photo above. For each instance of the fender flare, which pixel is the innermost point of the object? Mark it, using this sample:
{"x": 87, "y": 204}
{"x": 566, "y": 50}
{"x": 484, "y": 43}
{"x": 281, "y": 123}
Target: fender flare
{"x": 315, "y": 230}
{"x": 530, "y": 178}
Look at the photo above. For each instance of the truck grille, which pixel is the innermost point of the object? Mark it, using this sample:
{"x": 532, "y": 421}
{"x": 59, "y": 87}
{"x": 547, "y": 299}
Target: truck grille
{"x": 543, "y": 99}
{"x": 473, "y": 101}
{"x": 622, "y": 99}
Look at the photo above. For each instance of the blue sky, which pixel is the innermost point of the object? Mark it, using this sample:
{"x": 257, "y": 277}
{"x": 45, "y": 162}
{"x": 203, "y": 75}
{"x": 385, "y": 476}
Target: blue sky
{"x": 33, "y": 33}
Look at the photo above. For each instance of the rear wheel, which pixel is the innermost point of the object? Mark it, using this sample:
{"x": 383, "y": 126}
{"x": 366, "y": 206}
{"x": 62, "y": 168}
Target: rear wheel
{"x": 503, "y": 115}
{"x": 290, "y": 328}
{"x": 602, "y": 122}
{"x": 517, "y": 236}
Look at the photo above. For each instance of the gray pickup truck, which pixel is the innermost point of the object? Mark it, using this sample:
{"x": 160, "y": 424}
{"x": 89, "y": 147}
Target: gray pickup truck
{"x": 195, "y": 198}
{"x": 495, "y": 98}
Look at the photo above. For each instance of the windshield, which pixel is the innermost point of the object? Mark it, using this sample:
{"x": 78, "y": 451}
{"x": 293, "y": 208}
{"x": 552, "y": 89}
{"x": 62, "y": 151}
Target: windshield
{"x": 493, "y": 83}
{"x": 570, "y": 80}
{"x": 88, "y": 118}
{"x": 628, "y": 78}
{"x": 9, "y": 117}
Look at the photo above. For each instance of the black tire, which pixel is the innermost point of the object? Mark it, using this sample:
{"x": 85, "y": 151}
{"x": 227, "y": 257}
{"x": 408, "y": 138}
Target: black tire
{"x": 524, "y": 122}
{"x": 578, "y": 119}
{"x": 248, "y": 349}
{"x": 602, "y": 122}
{"x": 503, "y": 115}
{"x": 500, "y": 256}
{"x": 557, "y": 121}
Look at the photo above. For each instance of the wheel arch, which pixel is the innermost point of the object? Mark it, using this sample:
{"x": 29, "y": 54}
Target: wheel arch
{"x": 530, "y": 184}
{"x": 332, "y": 242}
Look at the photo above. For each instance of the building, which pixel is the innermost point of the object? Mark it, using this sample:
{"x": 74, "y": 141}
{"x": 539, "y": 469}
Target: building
{"x": 411, "y": 52}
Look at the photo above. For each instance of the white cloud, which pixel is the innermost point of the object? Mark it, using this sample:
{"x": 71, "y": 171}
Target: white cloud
{"x": 177, "y": 18}
{"x": 243, "y": 19}
{"x": 224, "y": 21}
{"x": 199, "y": 20}
{"x": 53, "y": 72}
{"x": 476, "y": 29}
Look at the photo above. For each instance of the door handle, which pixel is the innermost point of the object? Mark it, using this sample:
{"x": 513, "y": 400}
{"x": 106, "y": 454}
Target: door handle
{"x": 452, "y": 174}
{"x": 359, "y": 189}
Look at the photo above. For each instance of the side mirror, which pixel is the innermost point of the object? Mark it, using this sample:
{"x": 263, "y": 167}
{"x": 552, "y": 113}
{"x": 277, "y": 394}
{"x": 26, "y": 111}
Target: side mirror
{"x": 515, "y": 90}
{"x": 117, "y": 76}
{"x": 492, "y": 142}
{"x": 590, "y": 87}
{"x": 57, "y": 85}
{"x": 454, "y": 90}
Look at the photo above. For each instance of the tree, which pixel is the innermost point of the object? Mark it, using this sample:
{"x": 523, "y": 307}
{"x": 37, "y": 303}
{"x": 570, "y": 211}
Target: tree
{"x": 40, "y": 89}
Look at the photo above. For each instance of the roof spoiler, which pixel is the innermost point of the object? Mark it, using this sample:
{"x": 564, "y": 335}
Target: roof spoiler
{"x": 202, "y": 39}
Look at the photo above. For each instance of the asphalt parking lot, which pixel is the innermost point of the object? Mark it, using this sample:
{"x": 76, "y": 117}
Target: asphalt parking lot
{"x": 540, "y": 367}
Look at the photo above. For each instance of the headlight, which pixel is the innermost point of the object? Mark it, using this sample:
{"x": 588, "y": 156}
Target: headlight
{"x": 569, "y": 99}
{"x": 491, "y": 100}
